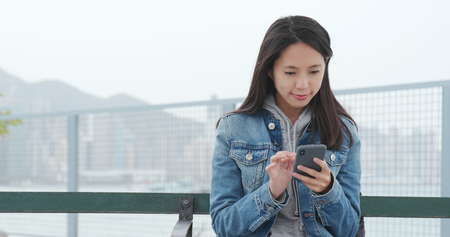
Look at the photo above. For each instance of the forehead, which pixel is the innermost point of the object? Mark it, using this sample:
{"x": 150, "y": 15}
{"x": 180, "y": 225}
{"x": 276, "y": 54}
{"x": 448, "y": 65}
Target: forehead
{"x": 300, "y": 54}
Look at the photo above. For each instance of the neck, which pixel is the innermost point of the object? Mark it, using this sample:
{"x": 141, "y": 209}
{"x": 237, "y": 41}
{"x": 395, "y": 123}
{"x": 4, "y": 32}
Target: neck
{"x": 291, "y": 112}
{"x": 293, "y": 116}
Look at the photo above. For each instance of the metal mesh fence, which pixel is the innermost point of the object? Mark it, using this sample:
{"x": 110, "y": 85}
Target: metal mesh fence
{"x": 168, "y": 149}
{"x": 400, "y": 134}
{"x": 34, "y": 225}
{"x": 33, "y": 157}
{"x": 165, "y": 150}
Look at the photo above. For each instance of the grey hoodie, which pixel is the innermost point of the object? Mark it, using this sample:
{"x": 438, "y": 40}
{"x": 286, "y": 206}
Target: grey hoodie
{"x": 289, "y": 222}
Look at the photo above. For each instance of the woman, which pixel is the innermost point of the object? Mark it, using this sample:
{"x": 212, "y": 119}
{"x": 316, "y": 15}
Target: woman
{"x": 289, "y": 103}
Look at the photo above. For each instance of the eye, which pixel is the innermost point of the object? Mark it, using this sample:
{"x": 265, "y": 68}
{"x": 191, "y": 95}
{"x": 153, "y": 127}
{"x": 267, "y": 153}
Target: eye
{"x": 289, "y": 73}
{"x": 315, "y": 72}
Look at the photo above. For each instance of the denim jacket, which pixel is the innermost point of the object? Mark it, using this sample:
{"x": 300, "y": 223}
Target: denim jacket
{"x": 240, "y": 201}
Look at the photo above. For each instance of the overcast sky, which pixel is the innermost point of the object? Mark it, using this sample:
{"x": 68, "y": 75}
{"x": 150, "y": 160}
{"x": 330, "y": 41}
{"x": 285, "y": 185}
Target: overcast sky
{"x": 179, "y": 51}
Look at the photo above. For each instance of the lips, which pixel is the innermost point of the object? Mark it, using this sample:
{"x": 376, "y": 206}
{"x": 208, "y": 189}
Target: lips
{"x": 300, "y": 97}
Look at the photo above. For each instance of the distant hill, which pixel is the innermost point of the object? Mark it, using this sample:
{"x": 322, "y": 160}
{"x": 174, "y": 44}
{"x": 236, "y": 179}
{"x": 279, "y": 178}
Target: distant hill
{"x": 53, "y": 96}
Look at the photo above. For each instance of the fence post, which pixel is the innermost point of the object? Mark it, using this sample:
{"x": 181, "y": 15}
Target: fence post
{"x": 228, "y": 108}
{"x": 445, "y": 154}
{"x": 72, "y": 173}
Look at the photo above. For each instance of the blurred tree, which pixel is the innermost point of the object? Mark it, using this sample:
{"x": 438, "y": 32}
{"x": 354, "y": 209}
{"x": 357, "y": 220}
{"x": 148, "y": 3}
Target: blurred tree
{"x": 5, "y": 123}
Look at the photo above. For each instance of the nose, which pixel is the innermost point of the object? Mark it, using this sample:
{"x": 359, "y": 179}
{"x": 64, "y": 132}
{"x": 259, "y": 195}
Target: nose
{"x": 301, "y": 83}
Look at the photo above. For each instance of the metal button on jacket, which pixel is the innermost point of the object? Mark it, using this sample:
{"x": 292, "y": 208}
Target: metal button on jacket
{"x": 332, "y": 157}
{"x": 271, "y": 126}
{"x": 248, "y": 156}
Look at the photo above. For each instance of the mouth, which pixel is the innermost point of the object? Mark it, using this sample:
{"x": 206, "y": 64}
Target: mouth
{"x": 300, "y": 97}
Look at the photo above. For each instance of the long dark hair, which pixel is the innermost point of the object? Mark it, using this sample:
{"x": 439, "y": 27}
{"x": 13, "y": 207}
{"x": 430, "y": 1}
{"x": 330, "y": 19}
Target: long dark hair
{"x": 324, "y": 106}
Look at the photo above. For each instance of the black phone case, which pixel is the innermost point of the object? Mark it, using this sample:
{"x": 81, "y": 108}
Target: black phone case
{"x": 305, "y": 155}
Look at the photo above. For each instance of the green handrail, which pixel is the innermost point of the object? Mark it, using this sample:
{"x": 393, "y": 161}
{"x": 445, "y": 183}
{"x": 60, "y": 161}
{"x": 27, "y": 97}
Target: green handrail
{"x": 93, "y": 202}
{"x": 167, "y": 203}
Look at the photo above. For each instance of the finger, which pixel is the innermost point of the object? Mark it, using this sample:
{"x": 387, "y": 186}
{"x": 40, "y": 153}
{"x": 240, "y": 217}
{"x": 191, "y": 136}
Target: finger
{"x": 270, "y": 167}
{"x": 309, "y": 171}
{"x": 288, "y": 160}
{"x": 299, "y": 176}
{"x": 311, "y": 183}
{"x": 278, "y": 156}
{"x": 317, "y": 184}
{"x": 290, "y": 166}
{"x": 275, "y": 166}
{"x": 284, "y": 153}
{"x": 281, "y": 155}
{"x": 321, "y": 163}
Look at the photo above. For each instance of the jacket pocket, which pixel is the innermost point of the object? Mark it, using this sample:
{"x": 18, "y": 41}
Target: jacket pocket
{"x": 251, "y": 160}
{"x": 336, "y": 158}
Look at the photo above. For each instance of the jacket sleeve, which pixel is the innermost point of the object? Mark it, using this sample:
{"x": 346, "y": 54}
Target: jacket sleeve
{"x": 339, "y": 209}
{"x": 232, "y": 212}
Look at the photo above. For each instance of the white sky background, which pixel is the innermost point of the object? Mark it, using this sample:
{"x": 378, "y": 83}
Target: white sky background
{"x": 178, "y": 51}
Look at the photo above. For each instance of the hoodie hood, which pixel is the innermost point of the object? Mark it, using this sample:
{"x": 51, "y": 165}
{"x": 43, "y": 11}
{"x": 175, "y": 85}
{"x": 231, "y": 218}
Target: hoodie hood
{"x": 291, "y": 132}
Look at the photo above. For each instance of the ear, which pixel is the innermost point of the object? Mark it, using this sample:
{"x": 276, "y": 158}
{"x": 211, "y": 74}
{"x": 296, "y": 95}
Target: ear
{"x": 270, "y": 74}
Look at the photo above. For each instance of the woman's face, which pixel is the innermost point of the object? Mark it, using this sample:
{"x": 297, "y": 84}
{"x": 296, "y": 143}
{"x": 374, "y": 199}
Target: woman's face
{"x": 297, "y": 75}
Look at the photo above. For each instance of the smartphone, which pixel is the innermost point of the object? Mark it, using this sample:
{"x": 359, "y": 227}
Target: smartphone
{"x": 305, "y": 155}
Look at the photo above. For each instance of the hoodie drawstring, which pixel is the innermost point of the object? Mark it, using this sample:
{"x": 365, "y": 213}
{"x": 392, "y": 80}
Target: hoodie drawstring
{"x": 293, "y": 182}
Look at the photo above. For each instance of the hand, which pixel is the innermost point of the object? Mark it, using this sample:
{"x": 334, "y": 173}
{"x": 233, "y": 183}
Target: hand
{"x": 280, "y": 172}
{"x": 321, "y": 184}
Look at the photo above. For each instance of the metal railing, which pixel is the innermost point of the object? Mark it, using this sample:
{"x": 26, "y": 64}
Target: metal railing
{"x": 187, "y": 204}
{"x": 406, "y": 145}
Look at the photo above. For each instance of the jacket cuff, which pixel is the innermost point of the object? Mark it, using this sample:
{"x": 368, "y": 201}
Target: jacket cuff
{"x": 332, "y": 196}
{"x": 267, "y": 205}
{"x": 279, "y": 199}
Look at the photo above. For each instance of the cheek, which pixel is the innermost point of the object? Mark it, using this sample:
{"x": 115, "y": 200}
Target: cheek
{"x": 280, "y": 84}
{"x": 283, "y": 89}
{"x": 318, "y": 84}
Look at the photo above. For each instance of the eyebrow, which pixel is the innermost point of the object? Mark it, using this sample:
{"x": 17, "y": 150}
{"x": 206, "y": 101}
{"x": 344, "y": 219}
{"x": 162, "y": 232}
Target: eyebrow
{"x": 294, "y": 67}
